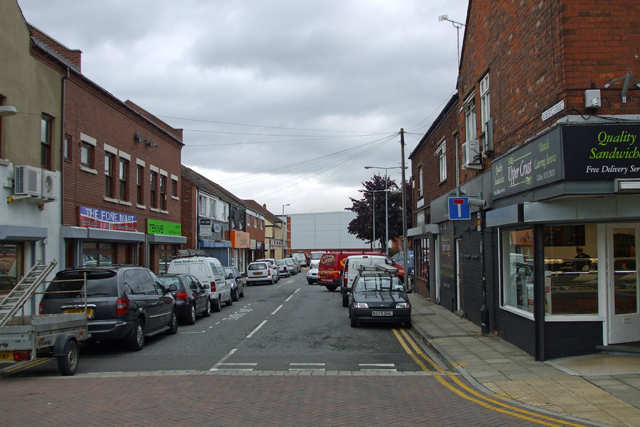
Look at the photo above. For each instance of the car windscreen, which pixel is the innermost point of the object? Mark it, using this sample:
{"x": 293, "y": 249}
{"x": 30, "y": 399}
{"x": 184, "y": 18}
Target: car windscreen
{"x": 377, "y": 283}
{"x": 280, "y": 262}
{"x": 257, "y": 266}
{"x": 69, "y": 285}
{"x": 167, "y": 281}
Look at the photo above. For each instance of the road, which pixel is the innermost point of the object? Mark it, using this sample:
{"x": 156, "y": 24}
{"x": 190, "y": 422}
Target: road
{"x": 282, "y": 355}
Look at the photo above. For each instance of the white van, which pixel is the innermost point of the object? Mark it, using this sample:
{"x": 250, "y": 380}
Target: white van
{"x": 211, "y": 275}
{"x": 350, "y": 272}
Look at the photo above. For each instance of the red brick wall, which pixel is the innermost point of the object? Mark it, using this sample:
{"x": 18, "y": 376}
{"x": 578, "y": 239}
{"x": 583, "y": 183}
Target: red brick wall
{"x": 89, "y": 110}
{"x": 189, "y": 213}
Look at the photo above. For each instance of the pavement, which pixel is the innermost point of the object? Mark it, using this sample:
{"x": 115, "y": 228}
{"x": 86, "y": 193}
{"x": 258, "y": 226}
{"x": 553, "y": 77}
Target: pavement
{"x": 603, "y": 388}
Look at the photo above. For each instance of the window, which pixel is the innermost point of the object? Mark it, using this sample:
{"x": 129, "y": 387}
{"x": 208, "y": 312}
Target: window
{"x": 2, "y": 100}
{"x": 261, "y": 224}
{"x": 203, "y": 206}
{"x": 174, "y": 187}
{"x": 153, "y": 184}
{"x": 485, "y": 107}
{"x": 163, "y": 192}
{"x": 95, "y": 254}
{"x": 248, "y": 220}
{"x": 108, "y": 175}
{"x": 139, "y": 184}
{"x": 123, "y": 174}
{"x": 66, "y": 148}
{"x": 45, "y": 141}
{"x": 470, "y": 118}
{"x": 255, "y": 222}
{"x": 441, "y": 152}
{"x": 213, "y": 213}
{"x": 420, "y": 178}
{"x": 517, "y": 269}
{"x": 86, "y": 155}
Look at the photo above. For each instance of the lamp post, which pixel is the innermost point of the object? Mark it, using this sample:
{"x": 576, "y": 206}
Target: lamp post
{"x": 386, "y": 203}
{"x": 284, "y": 233}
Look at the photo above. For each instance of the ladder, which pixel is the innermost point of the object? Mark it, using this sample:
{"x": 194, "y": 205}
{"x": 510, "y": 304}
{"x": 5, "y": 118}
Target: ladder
{"x": 21, "y": 293}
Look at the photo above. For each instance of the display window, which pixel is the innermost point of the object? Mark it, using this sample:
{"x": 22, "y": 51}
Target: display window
{"x": 10, "y": 266}
{"x": 517, "y": 269}
{"x": 94, "y": 254}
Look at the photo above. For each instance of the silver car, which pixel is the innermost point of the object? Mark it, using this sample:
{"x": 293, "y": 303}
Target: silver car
{"x": 312, "y": 275}
{"x": 261, "y": 272}
{"x": 283, "y": 268}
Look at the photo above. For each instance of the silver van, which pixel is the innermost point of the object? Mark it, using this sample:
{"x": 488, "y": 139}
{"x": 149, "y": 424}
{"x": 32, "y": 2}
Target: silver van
{"x": 210, "y": 273}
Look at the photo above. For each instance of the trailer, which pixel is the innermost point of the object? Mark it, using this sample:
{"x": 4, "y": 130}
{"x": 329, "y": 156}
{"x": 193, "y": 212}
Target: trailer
{"x": 24, "y": 338}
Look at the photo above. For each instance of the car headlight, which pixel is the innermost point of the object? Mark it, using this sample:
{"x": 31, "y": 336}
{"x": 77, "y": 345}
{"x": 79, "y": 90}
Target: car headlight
{"x": 361, "y": 305}
{"x": 403, "y": 305}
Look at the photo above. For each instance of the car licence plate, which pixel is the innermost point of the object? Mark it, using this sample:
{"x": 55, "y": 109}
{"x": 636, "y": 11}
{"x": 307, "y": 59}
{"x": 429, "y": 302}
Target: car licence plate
{"x": 257, "y": 274}
{"x": 382, "y": 313}
{"x": 79, "y": 310}
{"x": 6, "y": 356}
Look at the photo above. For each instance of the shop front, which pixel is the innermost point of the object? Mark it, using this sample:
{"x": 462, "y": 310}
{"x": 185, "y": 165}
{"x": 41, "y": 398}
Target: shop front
{"x": 241, "y": 245}
{"x": 566, "y": 210}
{"x": 211, "y": 239}
{"x": 163, "y": 241}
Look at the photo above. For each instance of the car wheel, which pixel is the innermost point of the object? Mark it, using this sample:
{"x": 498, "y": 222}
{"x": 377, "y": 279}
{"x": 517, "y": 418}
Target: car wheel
{"x": 229, "y": 301}
{"x": 207, "y": 311}
{"x": 173, "y": 323}
{"x": 137, "y": 339}
{"x": 234, "y": 294}
{"x": 332, "y": 288}
{"x": 191, "y": 319}
{"x": 68, "y": 362}
{"x": 216, "y": 305}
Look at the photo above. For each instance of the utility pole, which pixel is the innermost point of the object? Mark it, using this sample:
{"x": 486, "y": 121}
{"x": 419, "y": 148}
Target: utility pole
{"x": 405, "y": 241}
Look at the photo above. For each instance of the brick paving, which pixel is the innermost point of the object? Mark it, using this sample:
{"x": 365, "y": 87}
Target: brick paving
{"x": 227, "y": 399}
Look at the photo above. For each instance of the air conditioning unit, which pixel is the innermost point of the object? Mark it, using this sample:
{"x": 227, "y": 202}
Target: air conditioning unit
{"x": 471, "y": 158}
{"x": 49, "y": 185}
{"x": 27, "y": 181}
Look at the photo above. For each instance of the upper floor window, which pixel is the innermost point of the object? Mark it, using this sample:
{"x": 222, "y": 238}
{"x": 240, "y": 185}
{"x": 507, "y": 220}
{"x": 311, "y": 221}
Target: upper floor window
{"x": 66, "y": 148}
{"x": 470, "y": 117}
{"x": 139, "y": 185}
{"x": 203, "y": 205}
{"x": 248, "y": 220}
{"x": 214, "y": 210}
{"x": 45, "y": 141}
{"x": 163, "y": 192}
{"x": 174, "y": 187}
{"x": 108, "y": 175}
{"x": 123, "y": 174}
{"x": 420, "y": 178}
{"x": 485, "y": 105}
{"x": 441, "y": 152}
{"x": 153, "y": 188}
{"x": 86, "y": 155}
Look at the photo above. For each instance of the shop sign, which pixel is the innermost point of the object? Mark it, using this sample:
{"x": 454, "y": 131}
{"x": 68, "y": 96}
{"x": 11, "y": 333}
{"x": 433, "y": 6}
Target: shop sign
{"x": 205, "y": 228}
{"x": 166, "y": 228}
{"x": 107, "y": 220}
{"x": 240, "y": 239}
{"x": 601, "y": 152}
{"x": 447, "y": 273}
{"x": 536, "y": 164}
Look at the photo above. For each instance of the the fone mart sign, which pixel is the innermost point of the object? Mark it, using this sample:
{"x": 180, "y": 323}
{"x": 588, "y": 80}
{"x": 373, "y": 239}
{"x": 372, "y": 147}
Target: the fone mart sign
{"x": 601, "y": 152}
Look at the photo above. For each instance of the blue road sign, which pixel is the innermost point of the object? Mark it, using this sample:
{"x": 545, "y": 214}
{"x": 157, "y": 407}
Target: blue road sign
{"x": 459, "y": 208}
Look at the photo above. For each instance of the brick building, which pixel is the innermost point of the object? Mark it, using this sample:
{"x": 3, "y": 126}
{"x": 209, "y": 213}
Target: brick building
{"x": 120, "y": 173}
{"x": 543, "y": 130}
{"x": 273, "y": 230}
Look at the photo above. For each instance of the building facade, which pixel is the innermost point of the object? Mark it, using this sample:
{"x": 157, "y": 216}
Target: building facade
{"x": 322, "y": 231}
{"x": 546, "y": 121}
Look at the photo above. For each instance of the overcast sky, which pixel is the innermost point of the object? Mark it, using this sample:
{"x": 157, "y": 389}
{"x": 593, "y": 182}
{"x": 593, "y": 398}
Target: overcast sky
{"x": 281, "y": 101}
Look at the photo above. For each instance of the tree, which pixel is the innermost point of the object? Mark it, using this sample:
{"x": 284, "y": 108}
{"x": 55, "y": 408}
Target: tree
{"x": 361, "y": 226}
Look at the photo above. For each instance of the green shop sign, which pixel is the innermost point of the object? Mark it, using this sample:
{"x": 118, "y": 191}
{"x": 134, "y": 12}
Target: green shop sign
{"x": 166, "y": 228}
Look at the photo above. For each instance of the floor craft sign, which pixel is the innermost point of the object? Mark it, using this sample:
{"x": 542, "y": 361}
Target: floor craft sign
{"x": 107, "y": 220}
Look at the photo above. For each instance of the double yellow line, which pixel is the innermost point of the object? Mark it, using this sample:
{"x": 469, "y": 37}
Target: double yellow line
{"x": 453, "y": 383}
{"x": 26, "y": 365}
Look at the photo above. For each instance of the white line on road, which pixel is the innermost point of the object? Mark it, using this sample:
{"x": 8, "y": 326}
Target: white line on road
{"x": 256, "y": 329}
{"x": 228, "y": 355}
{"x": 276, "y": 310}
{"x": 290, "y": 296}
{"x": 307, "y": 364}
{"x": 386, "y": 365}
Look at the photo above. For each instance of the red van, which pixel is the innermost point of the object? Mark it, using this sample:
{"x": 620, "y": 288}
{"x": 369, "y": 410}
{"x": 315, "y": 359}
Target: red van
{"x": 332, "y": 264}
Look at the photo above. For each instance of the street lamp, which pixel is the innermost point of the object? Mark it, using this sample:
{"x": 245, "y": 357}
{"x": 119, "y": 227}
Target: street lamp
{"x": 284, "y": 222}
{"x": 386, "y": 203}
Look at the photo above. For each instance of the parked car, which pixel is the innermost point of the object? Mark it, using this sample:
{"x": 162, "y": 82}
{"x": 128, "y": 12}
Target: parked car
{"x": 124, "y": 303}
{"x": 283, "y": 268}
{"x": 211, "y": 275}
{"x": 261, "y": 272}
{"x": 237, "y": 282}
{"x": 191, "y": 297}
{"x": 273, "y": 263}
{"x": 291, "y": 265}
{"x": 297, "y": 265}
{"x": 312, "y": 275}
{"x": 378, "y": 295}
{"x": 332, "y": 263}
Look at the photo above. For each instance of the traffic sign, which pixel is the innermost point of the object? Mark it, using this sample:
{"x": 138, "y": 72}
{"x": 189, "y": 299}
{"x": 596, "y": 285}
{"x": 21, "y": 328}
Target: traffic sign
{"x": 459, "y": 208}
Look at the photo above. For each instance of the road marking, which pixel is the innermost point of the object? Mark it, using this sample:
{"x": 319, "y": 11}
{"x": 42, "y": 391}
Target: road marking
{"x": 287, "y": 300}
{"x": 276, "y": 310}
{"x": 256, "y": 329}
{"x": 466, "y": 392}
{"x": 385, "y": 365}
{"x": 307, "y": 364}
{"x": 221, "y": 361}
{"x": 197, "y": 332}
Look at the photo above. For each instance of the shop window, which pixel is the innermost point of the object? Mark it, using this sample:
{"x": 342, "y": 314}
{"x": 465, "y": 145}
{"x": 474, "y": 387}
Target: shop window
{"x": 108, "y": 175}
{"x": 94, "y": 254}
{"x": 517, "y": 269}
{"x": 163, "y": 192}
{"x": 123, "y": 173}
{"x": 139, "y": 185}
{"x": 571, "y": 269}
{"x": 153, "y": 183}
{"x": 46, "y": 124}
{"x": 10, "y": 267}
{"x": 165, "y": 255}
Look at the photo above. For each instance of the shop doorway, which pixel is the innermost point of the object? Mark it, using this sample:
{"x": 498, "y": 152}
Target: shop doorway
{"x": 622, "y": 283}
